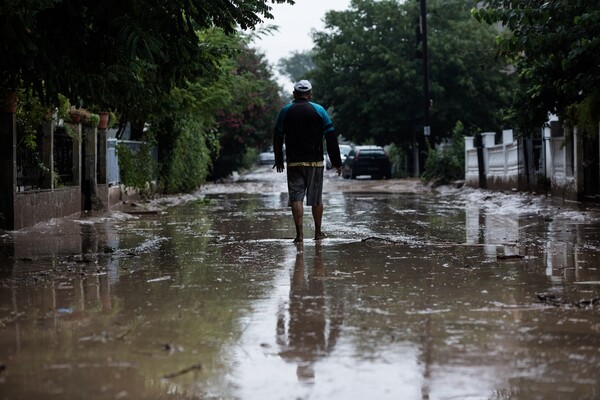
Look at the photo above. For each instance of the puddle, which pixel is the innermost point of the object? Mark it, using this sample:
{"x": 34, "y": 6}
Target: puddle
{"x": 415, "y": 295}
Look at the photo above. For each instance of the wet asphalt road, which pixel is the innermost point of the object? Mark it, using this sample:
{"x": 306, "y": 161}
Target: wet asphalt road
{"x": 416, "y": 294}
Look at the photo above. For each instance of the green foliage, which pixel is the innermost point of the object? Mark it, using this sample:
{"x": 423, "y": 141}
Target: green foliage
{"x": 189, "y": 113}
{"x": 137, "y": 169}
{"x": 445, "y": 165}
{"x": 247, "y": 121}
{"x": 249, "y": 158}
{"x": 93, "y": 120}
{"x": 585, "y": 114}
{"x": 397, "y": 157}
{"x": 31, "y": 113}
{"x": 64, "y": 106}
{"x": 298, "y": 65}
{"x": 369, "y": 70}
{"x": 188, "y": 167}
{"x": 555, "y": 50}
{"x": 177, "y": 71}
{"x": 121, "y": 54}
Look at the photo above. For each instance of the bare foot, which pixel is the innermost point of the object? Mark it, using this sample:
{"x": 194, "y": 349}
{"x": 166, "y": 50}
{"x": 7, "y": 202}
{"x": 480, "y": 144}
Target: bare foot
{"x": 298, "y": 239}
{"x": 320, "y": 236}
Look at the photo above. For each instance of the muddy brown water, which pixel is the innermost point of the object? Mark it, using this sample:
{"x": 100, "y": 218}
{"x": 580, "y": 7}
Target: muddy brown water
{"x": 416, "y": 294}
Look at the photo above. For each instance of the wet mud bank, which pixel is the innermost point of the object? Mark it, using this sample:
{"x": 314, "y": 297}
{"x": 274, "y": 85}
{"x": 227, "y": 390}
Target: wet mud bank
{"x": 415, "y": 294}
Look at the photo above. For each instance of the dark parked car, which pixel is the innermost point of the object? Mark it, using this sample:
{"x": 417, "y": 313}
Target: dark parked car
{"x": 367, "y": 160}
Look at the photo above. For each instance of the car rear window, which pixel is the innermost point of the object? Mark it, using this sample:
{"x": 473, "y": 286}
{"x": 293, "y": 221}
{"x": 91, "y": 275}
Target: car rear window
{"x": 371, "y": 152}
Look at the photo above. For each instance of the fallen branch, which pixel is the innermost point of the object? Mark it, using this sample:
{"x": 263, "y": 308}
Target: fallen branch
{"x": 509, "y": 257}
{"x": 551, "y": 299}
{"x": 183, "y": 371}
{"x": 380, "y": 239}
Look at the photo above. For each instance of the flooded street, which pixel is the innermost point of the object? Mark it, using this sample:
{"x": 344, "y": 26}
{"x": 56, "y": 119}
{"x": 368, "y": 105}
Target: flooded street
{"x": 416, "y": 294}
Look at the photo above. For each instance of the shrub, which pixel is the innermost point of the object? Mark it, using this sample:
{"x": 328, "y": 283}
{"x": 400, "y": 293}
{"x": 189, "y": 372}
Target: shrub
{"x": 445, "y": 165}
{"x": 138, "y": 168}
{"x": 186, "y": 167}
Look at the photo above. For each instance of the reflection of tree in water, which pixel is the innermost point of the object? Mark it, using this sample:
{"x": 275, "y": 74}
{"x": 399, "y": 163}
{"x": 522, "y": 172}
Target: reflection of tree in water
{"x": 312, "y": 327}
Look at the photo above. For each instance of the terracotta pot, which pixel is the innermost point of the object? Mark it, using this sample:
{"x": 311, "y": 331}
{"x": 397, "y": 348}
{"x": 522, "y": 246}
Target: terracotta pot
{"x": 8, "y": 103}
{"x": 103, "y": 124}
{"x": 75, "y": 117}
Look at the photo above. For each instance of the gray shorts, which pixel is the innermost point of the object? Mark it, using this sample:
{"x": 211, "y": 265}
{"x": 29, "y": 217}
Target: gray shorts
{"x": 305, "y": 181}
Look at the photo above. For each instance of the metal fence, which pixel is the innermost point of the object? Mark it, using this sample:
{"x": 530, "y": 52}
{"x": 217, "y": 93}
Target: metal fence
{"x": 63, "y": 157}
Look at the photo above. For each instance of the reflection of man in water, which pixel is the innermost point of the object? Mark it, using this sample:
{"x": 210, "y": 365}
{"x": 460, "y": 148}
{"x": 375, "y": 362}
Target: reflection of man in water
{"x": 307, "y": 339}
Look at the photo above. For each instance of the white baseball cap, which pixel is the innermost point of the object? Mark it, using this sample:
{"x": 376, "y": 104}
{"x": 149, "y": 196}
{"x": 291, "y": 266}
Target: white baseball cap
{"x": 302, "y": 86}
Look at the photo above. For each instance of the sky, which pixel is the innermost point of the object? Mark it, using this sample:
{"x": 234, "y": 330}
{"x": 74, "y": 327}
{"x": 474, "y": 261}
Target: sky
{"x": 295, "y": 24}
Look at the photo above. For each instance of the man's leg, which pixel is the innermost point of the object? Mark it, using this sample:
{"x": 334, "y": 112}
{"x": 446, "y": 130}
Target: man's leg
{"x": 298, "y": 213}
{"x": 317, "y": 212}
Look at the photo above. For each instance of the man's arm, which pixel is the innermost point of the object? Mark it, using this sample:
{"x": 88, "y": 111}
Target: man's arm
{"x": 278, "y": 150}
{"x": 333, "y": 149}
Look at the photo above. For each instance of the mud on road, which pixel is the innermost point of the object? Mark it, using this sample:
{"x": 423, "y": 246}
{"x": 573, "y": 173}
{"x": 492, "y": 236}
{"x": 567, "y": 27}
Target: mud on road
{"x": 417, "y": 293}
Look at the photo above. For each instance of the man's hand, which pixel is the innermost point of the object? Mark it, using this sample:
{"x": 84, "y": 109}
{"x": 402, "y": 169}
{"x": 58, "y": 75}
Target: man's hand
{"x": 279, "y": 167}
{"x": 338, "y": 170}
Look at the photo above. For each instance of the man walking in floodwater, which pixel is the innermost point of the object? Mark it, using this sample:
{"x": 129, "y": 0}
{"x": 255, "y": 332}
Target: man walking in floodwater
{"x": 302, "y": 125}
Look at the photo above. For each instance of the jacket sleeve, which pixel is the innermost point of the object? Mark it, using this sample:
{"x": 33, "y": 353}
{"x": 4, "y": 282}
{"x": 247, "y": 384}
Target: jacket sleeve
{"x": 278, "y": 137}
{"x": 333, "y": 149}
{"x": 278, "y": 148}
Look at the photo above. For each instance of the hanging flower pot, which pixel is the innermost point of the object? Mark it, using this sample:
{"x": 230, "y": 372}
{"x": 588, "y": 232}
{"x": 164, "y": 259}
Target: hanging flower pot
{"x": 8, "y": 102}
{"x": 103, "y": 124}
{"x": 75, "y": 116}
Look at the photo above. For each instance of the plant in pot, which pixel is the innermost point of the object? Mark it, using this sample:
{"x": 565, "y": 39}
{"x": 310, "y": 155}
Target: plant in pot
{"x": 62, "y": 111}
{"x": 113, "y": 119}
{"x": 75, "y": 115}
{"x": 103, "y": 115}
{"x": 93, "y": 120}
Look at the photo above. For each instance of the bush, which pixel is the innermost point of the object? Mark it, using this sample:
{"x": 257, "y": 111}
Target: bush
{"x": 445, "y": 165}
{"x": 137, "y": 168}
{"x": 186, "y": 167}
{"x": 398, "y": 159}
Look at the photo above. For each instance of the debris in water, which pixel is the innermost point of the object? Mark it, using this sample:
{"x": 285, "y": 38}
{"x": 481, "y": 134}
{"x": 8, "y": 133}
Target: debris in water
{"x": 162, "y": 278}
{"x": 379, "y": 239}
{"x": 184, "y": 371}
{"x": 509, "y": 257}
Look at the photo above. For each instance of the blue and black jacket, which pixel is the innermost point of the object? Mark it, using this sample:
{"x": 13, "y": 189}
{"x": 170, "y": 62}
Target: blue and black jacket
{"x": 302, "y": 125}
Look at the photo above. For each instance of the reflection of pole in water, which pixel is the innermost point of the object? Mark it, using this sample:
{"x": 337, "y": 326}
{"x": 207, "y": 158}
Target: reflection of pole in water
{"x": 427, "y": 349}
{"x": 427, "y": 341}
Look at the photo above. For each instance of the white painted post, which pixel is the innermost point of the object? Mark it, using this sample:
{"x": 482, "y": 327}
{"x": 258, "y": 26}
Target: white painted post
{"x": 489, "y": 140}
{"x": 507, "y": 139}
{"x": 507, "y": 136}
{"x": 469, "y": 145}
{"x": 469, "y": 142}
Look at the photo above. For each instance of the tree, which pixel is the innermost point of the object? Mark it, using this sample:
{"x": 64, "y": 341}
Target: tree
{"x": 207, "y": 128}
{"x": 298, "y": 65}
{"x": 163, "y": 65}
{"x": 119, "y": 54}
{"x": 555, "y": 47}
{"x": 369, "y": 72}
{"x": 247, "y": 122}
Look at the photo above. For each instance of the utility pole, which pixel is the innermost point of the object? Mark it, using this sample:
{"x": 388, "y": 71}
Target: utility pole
{"x": 427, "y": 100}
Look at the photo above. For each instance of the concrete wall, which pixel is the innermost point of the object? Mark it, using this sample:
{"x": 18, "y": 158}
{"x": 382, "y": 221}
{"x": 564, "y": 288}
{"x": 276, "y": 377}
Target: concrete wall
{"x": 33, "y": 207}
{"x": 501, "y": 162}
{"x": 561, "y": 163}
